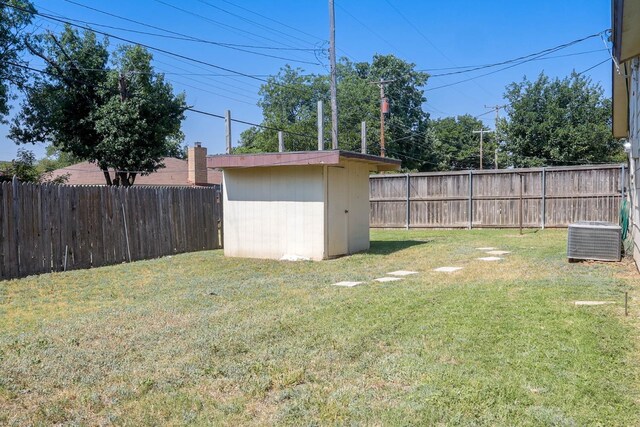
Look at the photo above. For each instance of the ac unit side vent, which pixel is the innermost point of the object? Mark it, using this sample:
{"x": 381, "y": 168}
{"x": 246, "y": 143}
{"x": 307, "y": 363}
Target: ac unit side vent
{"x": 594, "y": 240}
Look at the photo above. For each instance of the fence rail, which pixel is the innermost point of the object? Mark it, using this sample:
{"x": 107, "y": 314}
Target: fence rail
{"x": 537, "y": 197}
{"x": 45, "y": 228}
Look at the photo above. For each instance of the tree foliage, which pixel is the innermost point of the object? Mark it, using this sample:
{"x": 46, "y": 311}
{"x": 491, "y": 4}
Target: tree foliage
{"x": 289, "y": 102}
{"x": 13, "y": 22}
{"x": 453, "y": 145}
{"x": 125, "y": 119}
{"x": 558, "y": 122}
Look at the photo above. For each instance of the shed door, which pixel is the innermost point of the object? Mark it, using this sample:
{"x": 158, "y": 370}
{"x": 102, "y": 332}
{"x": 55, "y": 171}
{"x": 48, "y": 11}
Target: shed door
{"x": 337, "y": 211}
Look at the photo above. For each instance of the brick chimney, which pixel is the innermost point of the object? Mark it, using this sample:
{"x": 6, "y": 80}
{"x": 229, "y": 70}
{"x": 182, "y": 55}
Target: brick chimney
{"x": 197, "y": 165}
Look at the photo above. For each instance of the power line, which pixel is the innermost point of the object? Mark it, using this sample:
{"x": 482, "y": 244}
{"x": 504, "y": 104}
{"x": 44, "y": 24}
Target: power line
{"x": 186, "y": 37}
{"x": 177, "y": 55}
{"x": 487, "y": 65}
{"x": 218, "y": 23}
{"x": 594, "y": 66}
{"x": 522, "y": 59}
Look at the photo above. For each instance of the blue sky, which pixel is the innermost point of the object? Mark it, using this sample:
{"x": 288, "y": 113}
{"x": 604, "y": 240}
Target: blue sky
{"x": 431, "y": 34}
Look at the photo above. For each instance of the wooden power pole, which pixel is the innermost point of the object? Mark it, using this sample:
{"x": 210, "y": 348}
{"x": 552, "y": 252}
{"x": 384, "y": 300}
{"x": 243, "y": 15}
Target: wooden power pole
{"x": 481, "y": 132}
{"x": 382, "y": 83}
{"x": 332, "y": 60}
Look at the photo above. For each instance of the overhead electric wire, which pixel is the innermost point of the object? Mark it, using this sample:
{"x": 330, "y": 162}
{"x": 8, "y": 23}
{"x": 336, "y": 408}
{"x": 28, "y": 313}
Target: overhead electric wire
{"x": 594, "y": 66}
{"x": 186, "y": 37}
{"x": 218, "y": 23}
{"x": 177, "y": 55}
{"x": 488, "y": 65}
{"x": 273, "y": 30}
{"x": 521, "y": 59}
{"x": 180, "y": 34}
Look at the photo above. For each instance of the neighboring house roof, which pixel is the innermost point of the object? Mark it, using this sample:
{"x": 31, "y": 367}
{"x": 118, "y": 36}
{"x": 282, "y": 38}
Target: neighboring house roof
{"x": 175, "y": 173}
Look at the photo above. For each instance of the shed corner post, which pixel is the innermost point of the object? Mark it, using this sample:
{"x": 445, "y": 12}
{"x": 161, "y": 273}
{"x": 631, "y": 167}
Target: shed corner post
{"x": 470, "y": 199}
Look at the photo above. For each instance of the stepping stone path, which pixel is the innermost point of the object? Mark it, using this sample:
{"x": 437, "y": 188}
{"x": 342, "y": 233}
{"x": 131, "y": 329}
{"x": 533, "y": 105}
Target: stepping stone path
{"x": 447, "y": 269}
{"x": 498, "y": 252}
{"x": 348, "y": 284}
{"x": 402, "y": 273}
{"x": 490, "y": 258}
{"x": 588, "y": 303}
{"x": 387, "y": 279}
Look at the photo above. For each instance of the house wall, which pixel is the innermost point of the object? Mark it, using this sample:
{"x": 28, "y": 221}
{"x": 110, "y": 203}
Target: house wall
{"x": 634, "y": 157}
{"x": 270, "y": 212}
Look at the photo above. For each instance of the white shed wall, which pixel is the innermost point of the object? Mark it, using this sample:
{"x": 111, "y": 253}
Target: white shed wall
{"x": 274, "y": 211}
{"x": 358, "y": 207}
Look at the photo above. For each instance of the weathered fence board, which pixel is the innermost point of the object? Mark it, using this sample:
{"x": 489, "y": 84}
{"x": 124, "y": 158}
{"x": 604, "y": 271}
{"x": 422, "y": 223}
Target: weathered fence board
{"x": 45, "y": 228}
{"x": 547, "y": 197}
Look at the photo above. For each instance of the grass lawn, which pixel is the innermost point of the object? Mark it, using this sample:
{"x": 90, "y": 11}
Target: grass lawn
{"x": 203, "y": 339}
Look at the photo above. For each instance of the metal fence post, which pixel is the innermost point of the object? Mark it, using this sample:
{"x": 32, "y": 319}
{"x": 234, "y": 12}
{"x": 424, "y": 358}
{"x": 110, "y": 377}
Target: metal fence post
{"x": 408, "y": 199}
{"x": 470, "y": 199}
{"x": 544, "y": 197}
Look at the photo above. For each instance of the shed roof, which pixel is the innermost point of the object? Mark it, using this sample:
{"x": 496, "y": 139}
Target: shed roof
{"x": 300, "y": 158}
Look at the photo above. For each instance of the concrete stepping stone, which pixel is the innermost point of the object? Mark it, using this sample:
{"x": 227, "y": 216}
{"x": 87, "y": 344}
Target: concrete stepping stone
{"x": 387, "y": 279}
{"x": 485, "y": 249}
{"x": 490, "y": 258}
{"x": 447, "y": 269}
{"x": 588, "y": 303}
{"x": 498, "y": 252}
{"x": 402, "y": 273}
{"x": 347, "y": 284}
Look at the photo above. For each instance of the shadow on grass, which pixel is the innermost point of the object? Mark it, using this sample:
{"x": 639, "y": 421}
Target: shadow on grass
{"x": 386, "y": 247}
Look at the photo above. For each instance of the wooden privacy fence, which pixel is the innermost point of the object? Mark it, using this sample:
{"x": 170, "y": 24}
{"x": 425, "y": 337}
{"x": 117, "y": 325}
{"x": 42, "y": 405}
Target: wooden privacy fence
{"x": 51, "y": 227}
{"x": 539, "y": 197}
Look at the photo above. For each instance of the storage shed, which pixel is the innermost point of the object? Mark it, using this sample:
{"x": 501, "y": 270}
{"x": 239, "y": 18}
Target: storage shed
{"x": 311, "y": 204}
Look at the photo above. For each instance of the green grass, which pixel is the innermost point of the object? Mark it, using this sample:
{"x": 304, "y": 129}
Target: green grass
{"x": 203, "y": 339}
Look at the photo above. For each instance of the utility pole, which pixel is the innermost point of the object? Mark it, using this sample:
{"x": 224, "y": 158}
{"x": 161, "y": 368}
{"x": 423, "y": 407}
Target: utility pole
{"x": 384, "y": 108}
{"x": 332, "y": 60}
{"x": 497, "y": 108}
{"x": 481, "y": 132}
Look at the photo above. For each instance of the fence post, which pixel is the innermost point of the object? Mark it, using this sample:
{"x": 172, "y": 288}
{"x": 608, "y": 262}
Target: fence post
{"x": 16, "y": 218}
{"x": 470, "y": 199}
{"x": 520, "y": 215}
{"x": 408, "y": 199}
{"x": 544, "y": 197}
{"x": 622, "y": 177}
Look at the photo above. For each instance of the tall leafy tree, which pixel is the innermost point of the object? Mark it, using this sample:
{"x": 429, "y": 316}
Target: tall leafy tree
{"x": 289, "y": 102}
{"x": 453, "y": 145}
{"x": 558, "y": 122}
{"x": 13, "y": 23}
{"x": 125, "y": 119}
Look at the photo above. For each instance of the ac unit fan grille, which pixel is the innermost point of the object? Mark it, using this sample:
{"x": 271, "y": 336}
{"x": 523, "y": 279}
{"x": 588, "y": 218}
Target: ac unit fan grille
{"x": 594, "y": 240}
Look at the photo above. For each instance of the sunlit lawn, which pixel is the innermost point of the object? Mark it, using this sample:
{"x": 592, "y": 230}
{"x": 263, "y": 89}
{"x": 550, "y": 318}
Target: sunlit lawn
{"x": 203, "y": 339}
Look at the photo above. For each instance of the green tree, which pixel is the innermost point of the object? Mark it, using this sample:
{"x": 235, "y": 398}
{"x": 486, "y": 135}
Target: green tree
{"x": 453, "y": 145}
{"x": 558, "y": 122}
{"x": 23, "y": 167}
{"x": 125, "y": 119}
{"x": 13, "y": 22}
{"x": 289, "y": 102}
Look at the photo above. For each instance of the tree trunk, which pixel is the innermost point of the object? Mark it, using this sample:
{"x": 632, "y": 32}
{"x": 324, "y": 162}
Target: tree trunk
{"x": 107, "y": 177}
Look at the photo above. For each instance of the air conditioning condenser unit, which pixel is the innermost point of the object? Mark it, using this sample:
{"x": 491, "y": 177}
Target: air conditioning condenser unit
{"x": 594, "y": 240}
